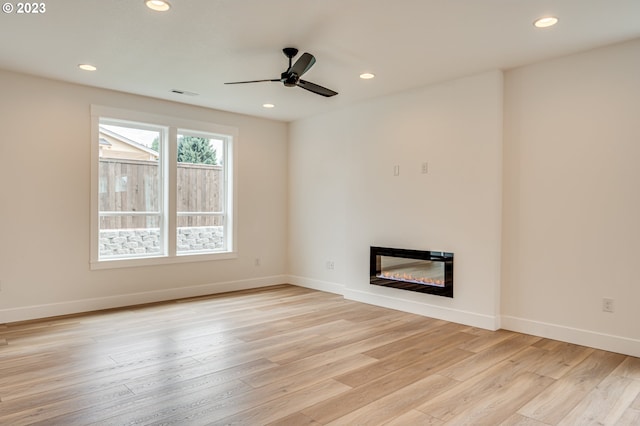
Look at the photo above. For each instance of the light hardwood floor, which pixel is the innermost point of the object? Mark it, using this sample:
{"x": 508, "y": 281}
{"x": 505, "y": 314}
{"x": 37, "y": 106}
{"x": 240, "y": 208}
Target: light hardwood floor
{"x": 291, "y": 356}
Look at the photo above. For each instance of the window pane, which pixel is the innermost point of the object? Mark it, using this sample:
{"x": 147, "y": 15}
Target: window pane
{"x": 129, "y": 236}
{"x": 129, "y": 179}
{"x": 200, "y": 193}
{"x": 128, "y": 170}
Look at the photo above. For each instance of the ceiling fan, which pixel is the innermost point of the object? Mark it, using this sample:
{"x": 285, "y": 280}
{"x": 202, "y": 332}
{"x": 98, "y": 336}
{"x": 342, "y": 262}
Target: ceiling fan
{"x": 291, "y": 77}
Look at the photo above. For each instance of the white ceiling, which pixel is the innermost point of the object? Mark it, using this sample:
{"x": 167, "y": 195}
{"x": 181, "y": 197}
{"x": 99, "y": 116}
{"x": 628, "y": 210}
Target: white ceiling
{"x": 200, "y": 44}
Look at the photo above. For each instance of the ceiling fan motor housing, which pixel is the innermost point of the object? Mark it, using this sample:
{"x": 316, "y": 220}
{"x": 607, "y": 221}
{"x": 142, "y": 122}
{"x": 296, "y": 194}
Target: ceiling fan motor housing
{"x": 289, "y": 80}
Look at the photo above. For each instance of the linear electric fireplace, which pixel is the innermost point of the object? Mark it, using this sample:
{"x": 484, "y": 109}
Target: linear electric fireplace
{"x": 414, "y": 270}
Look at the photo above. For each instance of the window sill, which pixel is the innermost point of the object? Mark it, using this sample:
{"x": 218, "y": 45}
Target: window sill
{"x": 160, "y": 260}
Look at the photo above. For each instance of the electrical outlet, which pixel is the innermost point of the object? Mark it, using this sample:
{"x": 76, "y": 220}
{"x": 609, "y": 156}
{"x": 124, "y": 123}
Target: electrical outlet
{"x": 425, "y": 168}
{"x": 396, "y": 170}
{"x": 257, "y": 261}
{"x": 330, "y": 265}
{"x": 607, "y": 305}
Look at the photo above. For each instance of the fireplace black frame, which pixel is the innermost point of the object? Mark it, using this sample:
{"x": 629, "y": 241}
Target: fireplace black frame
{"x": 375, "y": 268}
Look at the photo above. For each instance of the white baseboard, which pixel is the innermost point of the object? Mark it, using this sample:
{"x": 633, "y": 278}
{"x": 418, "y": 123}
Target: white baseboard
{"x": 454, "y": 315}
{"x": 327, "y": 286}
{"x": 447, "y": 314}
{"x": 86, "y": 305}
{"x": 592, "y": 339}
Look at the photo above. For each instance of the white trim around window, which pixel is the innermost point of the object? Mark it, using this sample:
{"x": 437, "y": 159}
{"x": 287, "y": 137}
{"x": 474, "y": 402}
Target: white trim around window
{"x": 169, "y": 128}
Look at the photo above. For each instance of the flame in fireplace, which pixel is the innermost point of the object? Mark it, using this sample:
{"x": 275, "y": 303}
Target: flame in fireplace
{"x": 412, "y": 279}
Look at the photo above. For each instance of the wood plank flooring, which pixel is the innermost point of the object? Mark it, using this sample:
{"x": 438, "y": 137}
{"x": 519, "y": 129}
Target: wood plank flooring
{"x": 286, "y": 355}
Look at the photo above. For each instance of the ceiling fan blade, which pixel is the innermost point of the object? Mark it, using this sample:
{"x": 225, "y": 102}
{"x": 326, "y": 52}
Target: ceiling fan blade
{"x": 252, "y": 81}
{"x": 312, "y": 87}
{"x": 302, "y": 65}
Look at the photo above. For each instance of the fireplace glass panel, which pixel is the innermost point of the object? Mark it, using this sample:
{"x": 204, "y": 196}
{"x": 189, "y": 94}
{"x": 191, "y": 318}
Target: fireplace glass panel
{"x": 415, "y": 271}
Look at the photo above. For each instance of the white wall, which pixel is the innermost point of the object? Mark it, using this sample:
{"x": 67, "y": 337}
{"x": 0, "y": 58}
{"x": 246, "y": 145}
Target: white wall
{"x": 44, "y": 187}
{"x": 566, "y": 236}
{"x": 572, "y": 198}
{"x": 344, "y": 197}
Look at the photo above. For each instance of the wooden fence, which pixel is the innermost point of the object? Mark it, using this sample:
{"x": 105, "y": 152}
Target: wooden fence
{"x": 132, "y": 186}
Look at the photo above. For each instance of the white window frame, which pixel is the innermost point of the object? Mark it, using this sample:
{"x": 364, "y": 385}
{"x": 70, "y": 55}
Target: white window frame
{"x": 168, "y": 166}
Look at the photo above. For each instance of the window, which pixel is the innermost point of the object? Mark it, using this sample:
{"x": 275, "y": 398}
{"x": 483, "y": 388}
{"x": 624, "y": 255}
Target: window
{"x": 131, "y": 204}
{"x": 200, "y": 193}
{"x": 162, "y": 190}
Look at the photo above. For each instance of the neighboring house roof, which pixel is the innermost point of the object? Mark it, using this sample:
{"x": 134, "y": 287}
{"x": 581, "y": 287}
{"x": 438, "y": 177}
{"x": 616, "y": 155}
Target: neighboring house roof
{"x": 119, "y": 146}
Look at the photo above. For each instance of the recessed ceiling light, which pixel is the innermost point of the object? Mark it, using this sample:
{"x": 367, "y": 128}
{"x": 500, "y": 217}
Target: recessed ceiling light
{"x": 367, "y": 76}
{"x": 158, "y": 5}
{"x": 87, "y": 67}
{"x": 268, "y": 105}
{"x": 545, "y": 22}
